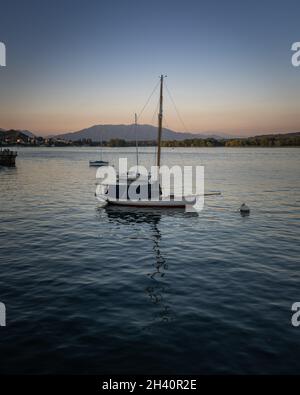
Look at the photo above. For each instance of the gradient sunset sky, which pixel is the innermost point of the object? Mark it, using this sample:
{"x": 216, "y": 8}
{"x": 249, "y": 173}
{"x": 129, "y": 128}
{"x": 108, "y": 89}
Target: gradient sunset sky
{"x": 73, "y": 63}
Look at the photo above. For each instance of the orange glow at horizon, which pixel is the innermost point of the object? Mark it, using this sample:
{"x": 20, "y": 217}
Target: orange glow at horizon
{"x": 236, "y": 122}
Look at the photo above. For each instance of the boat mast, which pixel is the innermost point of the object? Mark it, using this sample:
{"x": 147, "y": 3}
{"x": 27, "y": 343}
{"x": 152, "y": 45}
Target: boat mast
{"x": 160, "y": 116}
{"x": 136, "y": 143}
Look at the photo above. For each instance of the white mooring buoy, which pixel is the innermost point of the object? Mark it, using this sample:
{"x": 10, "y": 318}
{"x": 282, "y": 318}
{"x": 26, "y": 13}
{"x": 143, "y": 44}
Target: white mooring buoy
{"x": 244, "y": 209}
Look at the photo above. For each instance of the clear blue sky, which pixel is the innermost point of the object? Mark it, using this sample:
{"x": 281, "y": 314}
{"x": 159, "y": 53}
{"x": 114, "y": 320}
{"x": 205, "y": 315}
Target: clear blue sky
{"x": 75, "y": 63}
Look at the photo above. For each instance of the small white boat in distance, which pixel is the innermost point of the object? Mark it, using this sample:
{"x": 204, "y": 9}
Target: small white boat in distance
{"x": 121, "y": 190}
{"x": 150, "y": 193}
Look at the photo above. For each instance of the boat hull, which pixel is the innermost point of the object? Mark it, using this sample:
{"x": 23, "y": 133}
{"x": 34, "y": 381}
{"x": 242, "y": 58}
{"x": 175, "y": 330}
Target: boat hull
{"x": 8, "y": 158}
{"x": 164, "y": 202}
{"x": 147, "y": 203}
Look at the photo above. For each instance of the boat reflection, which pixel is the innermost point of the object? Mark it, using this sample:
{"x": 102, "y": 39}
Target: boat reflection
{"x": 158, "y": 291}
{"x": 149, "y": 215}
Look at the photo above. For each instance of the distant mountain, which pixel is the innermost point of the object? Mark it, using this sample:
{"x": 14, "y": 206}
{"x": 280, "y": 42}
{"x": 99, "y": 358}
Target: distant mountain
{"x": 279, "y": 135}
{"x": 13, "y": 137}
{"x": 26, "y": 132}
{"x": 144, "y": 133}
{"x": 127, "y": 132}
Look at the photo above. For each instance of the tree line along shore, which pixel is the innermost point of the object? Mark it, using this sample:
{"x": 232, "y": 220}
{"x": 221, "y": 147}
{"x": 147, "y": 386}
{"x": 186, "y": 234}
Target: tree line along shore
{"x": 13, "y": 137}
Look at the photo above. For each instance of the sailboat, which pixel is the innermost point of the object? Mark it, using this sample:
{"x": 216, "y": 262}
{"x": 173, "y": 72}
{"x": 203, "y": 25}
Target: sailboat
{"x": 99, "y": 163}
{"x": 117, "y": 191}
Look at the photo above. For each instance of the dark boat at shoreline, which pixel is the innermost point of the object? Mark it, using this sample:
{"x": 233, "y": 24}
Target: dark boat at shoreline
{"x": 8, "y": 157}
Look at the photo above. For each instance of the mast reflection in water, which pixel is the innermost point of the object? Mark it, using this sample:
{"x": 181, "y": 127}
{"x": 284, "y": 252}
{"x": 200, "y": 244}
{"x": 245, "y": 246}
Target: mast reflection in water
{"x": 158, "y": 289}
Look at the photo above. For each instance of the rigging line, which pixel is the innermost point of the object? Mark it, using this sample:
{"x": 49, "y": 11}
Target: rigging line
{"x": 155, "y": 112}
{"x": 166, "y": 122}
{"x": 176, "y": 109}
{"x": 132, "y": 127}
{"x": 147, "y": 102}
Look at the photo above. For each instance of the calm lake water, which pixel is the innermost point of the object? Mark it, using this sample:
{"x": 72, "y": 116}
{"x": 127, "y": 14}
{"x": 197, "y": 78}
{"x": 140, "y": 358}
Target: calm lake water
{"x": 96, "y": 290}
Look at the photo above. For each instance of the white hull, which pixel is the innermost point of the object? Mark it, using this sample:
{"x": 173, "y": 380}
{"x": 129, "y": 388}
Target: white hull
{"x": 164, "y": 202}
{"x": 147, "y": 192}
